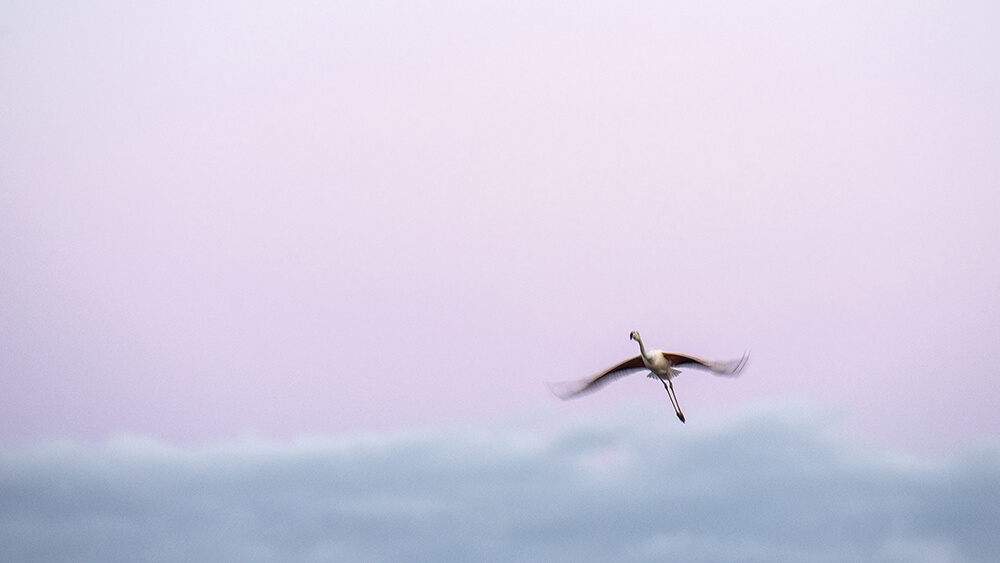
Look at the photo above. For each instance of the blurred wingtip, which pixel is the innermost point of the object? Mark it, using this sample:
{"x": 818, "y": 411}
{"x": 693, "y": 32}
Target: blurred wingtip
{"x": 733, "y": 367}
{"x": 563, "y": 389}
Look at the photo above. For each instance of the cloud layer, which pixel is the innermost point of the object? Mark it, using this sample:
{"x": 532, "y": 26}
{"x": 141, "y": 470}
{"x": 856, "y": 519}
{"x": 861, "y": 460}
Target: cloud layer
{"x": 770, "y": 485}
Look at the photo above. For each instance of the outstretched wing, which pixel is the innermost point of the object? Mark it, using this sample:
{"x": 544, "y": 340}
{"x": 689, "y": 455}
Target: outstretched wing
{"x": 733, "y": 367}
{"x": 571, "y": 389}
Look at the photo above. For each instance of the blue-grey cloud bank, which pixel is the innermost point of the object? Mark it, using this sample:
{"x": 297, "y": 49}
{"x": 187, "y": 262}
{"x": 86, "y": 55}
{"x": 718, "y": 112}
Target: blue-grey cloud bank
{"x": 771, "y": 484}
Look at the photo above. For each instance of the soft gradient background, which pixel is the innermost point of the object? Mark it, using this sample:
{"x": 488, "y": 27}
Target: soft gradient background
{"x": 227, "y": 223}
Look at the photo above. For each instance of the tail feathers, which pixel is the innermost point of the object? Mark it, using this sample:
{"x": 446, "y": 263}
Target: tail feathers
{"x": 674, "y": 372}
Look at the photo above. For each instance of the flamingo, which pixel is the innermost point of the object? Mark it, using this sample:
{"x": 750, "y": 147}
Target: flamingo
{"x": 660, "y": 365}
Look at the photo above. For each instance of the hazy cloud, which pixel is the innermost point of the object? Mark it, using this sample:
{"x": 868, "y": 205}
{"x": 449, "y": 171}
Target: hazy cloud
{"x": 770, "y": 485}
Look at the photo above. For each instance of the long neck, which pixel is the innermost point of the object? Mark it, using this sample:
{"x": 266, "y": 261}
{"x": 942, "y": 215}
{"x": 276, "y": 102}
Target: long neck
{"x": 642, "y": 349}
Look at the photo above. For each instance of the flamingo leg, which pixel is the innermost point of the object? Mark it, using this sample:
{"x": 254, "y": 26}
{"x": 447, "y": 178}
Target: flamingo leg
{"x": 677, "y": 405}
{"x": 667, "y": 389}
{"x": 673, "y": 397}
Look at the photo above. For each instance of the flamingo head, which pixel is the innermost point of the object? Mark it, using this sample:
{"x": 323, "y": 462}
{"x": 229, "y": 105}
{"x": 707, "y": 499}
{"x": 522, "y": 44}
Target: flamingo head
{"x": 634, "y": 336}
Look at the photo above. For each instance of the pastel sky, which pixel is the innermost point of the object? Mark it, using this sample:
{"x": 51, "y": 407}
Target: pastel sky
{"x": 278, "y": 278}
{"x": 305, "y": 218}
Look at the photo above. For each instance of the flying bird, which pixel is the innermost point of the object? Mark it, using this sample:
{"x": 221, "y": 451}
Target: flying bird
{"x": 660, "y": 365}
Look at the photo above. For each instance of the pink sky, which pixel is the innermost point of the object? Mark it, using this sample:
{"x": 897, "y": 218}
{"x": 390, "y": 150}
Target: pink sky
{"x": 299, "y": 219}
